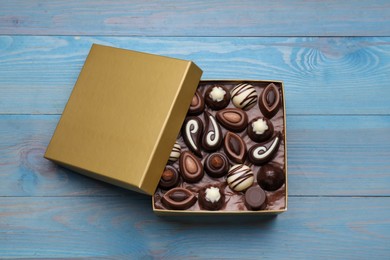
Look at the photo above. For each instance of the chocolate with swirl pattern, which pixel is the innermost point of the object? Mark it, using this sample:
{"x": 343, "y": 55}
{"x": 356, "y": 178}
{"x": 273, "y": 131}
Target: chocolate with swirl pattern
{"x": 212, "y": 136}
{"x": 192, "y": 134}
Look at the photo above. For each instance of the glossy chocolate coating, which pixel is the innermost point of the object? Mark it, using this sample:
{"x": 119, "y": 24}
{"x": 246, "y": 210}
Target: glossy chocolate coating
{"x": 221, "y": 102}
{"x": 169, "y": 178}
{"x": 269, "y": 101}
{"x": 197, "y": 104}
{"x": 212, "y": 136}
{"x": 270, "y": 177}
{"x": 233, "y": 119}
{"x": 191, "y": 168}
{"x": 192, "y": 133}
{"x": 263, "y": 136}
{"x": 255, "y": 198}
{"x": 216, "y": 165}
{"x": 240, "y": 177}
{"x": 235, "y": 147}
{"x": 206, "y": 200}
{"x": 175, "y": 153}
{"x": 244, "y": 96}
{"x": 178, "y": 198}
{"x": 262, "y": 153}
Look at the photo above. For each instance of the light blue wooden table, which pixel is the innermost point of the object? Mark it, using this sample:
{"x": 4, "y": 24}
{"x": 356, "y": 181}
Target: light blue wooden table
{"x": 335, "y": 61}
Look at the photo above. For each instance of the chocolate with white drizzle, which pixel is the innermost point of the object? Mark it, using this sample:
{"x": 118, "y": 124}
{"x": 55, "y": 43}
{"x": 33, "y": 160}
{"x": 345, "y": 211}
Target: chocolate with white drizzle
{"x": 240, "y": 177}
{"x": 212, "y": 136}
{"x": 244, "y": 96}
{"x": 269, "y": 101}
{"x": 192, "y": 133}
{"x": 264, "y": 152}
{"x": 175, "y": 153}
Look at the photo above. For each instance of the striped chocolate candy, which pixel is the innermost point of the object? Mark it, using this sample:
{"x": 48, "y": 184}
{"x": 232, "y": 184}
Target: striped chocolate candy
{"x": 240, "y": 177}
{"x": 244, "y": 96}
{"x": 175, "y": 153}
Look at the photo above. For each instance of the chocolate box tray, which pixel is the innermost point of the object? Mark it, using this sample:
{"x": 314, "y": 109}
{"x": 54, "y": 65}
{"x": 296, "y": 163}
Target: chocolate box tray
{"x": 190, "y": 184}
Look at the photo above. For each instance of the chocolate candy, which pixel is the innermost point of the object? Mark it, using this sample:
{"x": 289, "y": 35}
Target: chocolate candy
{"x": 191, "y": 168}
{"x": 211, "y": 198}
{"x": 260, "y": 129}
{"x": 255, "y": 198}
{"x": 192, "y": 133}
{"x": 270, "y": 177}
{"x": 240, "y": 177}
{"x": 175, "y": 153}
{"x": 244, "y": 96}
{"x": 234, "y": 147}
{"x": 262, "y": 153}
{"x": 169, "y": 178}
{"x": 178, "y": 198}
{"x": 197, "y": 105}
{"x": 269, "y": 101}
{"x": 217, "y": 97}
{"x": 216, "y": 165}
{"x": 212, "y": 137}
{"x": 233, "y": 119}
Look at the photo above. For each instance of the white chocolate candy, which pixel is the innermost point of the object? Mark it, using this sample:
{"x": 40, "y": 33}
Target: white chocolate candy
{"x": 217, "y": 94}
{"x": 212, "y": 194}
{"x": 259, "y": 126}
{"x": 244, "y": 96}
{"x": 240, "y": 177}
{"x": 175, "y": 153}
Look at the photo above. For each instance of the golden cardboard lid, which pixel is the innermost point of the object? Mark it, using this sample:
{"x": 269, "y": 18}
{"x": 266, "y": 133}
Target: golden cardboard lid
{"x": 123, "y": 116}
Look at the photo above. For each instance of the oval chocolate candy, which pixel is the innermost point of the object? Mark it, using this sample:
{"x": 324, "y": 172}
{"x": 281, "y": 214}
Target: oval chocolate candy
{"x": 234, "y": 147}
{"x": 191, "y": 169}
{"x": 178, "y": 198}
{"x": 216, "y": 165}
{"x": 197, "y": 104}
{"x": 264, "y": 152}
{"x": 269, "y": 101}
{"x": 240, "y": 177}
{"x": 255, "y": 198}
{"x": 192, "y": 134}
{"x": 244, "y": 96}
{"x": 233, "y": 119}
{"x": 212, "y": 136}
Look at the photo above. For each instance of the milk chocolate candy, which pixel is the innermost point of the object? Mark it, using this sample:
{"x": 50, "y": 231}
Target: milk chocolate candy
{"x": 211, "y": 197}
{"x": 255, "y": 198}
{"x": 212, "y": 136}
{"x": 178, "y": 198}
{"x": 234, "y": 147}
{"x": 233, "y": 119}
{"x": 197, "y": 105}
{"x": 260, "y": 129}
{"x": 192, "y": 134}
{"x": 269, "y": 101}
{"x": 216, "y": 165}
{"x": 191, "y": 169}
{"x": 169, "y": 178}
{"x": 217, "y": 97}
{"x": 244, "y": 96}
{"x": 270, "y": 177}
{"x": 240, "y": 177}
{"x": 262, "y": 153}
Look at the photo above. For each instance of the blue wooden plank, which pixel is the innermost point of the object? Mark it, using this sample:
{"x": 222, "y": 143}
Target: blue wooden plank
{"x": 196, "y": 18}
{"x": 327, "y": 156}
{"x": 313, "y": 228}
{"x": 321, "y": 75}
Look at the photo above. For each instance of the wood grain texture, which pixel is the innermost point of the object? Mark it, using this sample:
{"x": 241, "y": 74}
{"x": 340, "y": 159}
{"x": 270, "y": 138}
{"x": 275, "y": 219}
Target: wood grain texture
{"x": 321, "y": 75}
{"x": 327, "y": 156}
{"x": 125, "y": 227}
{"x": 196, "y": 18}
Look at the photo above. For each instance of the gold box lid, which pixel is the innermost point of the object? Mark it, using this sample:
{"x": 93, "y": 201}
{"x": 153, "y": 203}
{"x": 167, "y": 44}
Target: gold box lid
{"x": 123, "y": 116}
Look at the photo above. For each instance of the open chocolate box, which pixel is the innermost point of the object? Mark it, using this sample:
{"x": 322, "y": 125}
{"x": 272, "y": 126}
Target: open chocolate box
{"x": 147, "y": 123}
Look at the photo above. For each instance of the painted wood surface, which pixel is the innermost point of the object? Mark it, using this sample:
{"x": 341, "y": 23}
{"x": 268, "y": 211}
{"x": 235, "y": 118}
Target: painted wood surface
{"x": 196, "y": 18}
{"x": 321, "y": 75}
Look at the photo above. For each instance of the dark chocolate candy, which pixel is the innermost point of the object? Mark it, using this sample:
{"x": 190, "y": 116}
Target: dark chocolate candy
{"x": 211, "y": 197}
{"x": 233, "y": 119}
{"x": 178, "y": 198}
{"x": 260, "y": 129}
{"x": 169, "y": 178}
{"x": 255, "y": 198}
{"x": 235, "y": 147}
{"x": 192, "y": 134}
{"x": 217, "y": 97}
{"x": 216, "y": 165}
{"x": 240, "y": 177}
{"x": 212, "y": 136}
{"x": 264, "y": 152}
{"x": 269, "y": 101}
{"x": 244, "y": 96}
{"x": 191, "y": 169}
{"x": 270, "y": 177}
{"x": 197, "y": 104}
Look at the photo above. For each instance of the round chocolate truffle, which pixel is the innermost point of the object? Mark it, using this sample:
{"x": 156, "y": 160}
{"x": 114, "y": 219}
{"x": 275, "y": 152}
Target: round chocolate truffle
{"x": 270, "y": 177}
{"x": 244, "y": 96}
{"x": 169, "y": 178}
{"x": 240, "y": 177}
{"x": 255, "y": 198}
{"x": 217, "y": 97}
{"x": 175, "y": 153}
{"x": 216, "y": 165}
{"x": 260, "y": 129}
{"x": 211, "y": 198}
